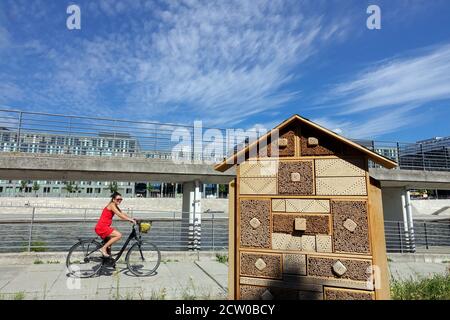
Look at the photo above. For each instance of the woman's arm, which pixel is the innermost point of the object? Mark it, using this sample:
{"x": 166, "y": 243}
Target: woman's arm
{"x": 120, "y": 214}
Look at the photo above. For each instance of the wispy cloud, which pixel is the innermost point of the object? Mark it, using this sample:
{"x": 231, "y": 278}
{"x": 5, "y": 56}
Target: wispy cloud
{"x": 374, "y": 126}
{"x": 413, "y": 80}
{"x": 220, "y": 61}
{"x": 387, "y": 96}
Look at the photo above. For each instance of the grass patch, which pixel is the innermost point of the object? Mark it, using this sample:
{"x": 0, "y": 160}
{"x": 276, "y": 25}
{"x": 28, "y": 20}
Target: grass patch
{"x": 38, "y": 261}
{"x": 158, "y": 294}
{"x": 13, "y": 296}
{"x": 436, "y": 287}
{"x": 222, "y": 258}
{"x": 53, "y": 262}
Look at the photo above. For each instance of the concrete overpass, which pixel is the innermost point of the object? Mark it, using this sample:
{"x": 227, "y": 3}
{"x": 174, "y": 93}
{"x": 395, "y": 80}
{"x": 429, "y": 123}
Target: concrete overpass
{"x": 35, "y": 166}
{"x": 395, "y": 183}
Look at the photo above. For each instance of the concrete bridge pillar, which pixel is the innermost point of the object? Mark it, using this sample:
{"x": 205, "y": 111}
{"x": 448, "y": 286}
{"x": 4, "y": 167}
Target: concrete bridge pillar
{"x": 192, "y": 214}
{"x": 397, "y": 207}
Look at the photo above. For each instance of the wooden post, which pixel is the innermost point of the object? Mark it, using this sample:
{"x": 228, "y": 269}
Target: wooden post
{"x": 231, "y": 242}
{"x": 382, "y": 288}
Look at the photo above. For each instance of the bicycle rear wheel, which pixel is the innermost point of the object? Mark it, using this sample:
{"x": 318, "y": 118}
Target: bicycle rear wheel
{"x": 84, "y": 259}
{"x": 143, "y": 259}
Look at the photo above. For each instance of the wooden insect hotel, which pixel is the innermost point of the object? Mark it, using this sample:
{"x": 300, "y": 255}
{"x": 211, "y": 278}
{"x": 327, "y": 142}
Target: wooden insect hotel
{"x": 306, "y": 219}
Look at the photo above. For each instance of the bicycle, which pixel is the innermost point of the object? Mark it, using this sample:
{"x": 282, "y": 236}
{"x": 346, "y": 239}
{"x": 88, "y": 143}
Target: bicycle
{"x": 85, "y": 260}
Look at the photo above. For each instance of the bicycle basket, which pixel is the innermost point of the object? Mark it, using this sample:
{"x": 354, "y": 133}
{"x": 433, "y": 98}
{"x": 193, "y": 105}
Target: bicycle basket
{"x": 144, "y": 227}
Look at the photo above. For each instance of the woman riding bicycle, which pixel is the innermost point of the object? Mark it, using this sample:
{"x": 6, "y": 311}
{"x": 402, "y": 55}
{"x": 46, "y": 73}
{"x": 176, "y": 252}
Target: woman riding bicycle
{"x": 103, "y": 227}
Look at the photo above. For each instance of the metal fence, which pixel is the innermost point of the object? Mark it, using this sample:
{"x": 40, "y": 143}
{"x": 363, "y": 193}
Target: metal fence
{"x": 56, "y": 229}
{"x": 423, "y": 237}
{"x": 35, "y": 132}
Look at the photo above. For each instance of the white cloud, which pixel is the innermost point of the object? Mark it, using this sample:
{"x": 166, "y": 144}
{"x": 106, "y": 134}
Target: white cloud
{"x": 376, "y": 124}
{"x": 219, "y": 61}
{"x": 413, "y": 80}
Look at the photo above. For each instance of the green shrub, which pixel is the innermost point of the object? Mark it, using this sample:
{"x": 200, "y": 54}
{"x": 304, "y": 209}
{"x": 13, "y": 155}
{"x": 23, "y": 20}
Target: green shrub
{"x": 436, "y": 287}
{"x": 222, "y": 258}
{"x": 38, "y": 262}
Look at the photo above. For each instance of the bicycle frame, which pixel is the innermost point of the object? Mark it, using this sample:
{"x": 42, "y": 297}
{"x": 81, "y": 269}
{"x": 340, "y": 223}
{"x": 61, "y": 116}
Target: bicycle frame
{"x": 133, "y": 236}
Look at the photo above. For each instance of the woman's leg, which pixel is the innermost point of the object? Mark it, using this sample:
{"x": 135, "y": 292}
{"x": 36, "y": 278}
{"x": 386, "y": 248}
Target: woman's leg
{"x": 113, "y": 237}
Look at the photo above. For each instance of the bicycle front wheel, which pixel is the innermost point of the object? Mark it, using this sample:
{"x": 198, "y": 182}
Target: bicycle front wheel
{"x": 143, "y": 259}
{"x": 84, "y": 259}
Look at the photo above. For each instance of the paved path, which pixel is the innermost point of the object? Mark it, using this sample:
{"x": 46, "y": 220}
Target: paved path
{"x": 174, "y": 280}
{"x": 185, "y": 279}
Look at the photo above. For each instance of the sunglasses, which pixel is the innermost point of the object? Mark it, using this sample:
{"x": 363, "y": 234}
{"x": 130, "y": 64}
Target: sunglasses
{"x": 119, "y": 199}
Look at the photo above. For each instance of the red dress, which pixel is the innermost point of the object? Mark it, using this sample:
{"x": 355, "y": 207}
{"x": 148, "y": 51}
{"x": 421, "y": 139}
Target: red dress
{"x": 103, "y": 227}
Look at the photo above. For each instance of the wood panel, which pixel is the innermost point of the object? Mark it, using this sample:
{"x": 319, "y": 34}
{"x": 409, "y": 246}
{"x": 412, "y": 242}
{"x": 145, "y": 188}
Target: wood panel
{"x": 378, "y": 241}
{"x": 231, "y": 239}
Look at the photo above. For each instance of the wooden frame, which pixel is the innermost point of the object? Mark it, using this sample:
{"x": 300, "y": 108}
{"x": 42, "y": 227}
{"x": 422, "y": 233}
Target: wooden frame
{"x": 375, "y": 233}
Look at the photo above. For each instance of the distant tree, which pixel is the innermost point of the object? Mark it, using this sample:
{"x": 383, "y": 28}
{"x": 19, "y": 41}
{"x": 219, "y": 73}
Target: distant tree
{"x": 113, "y": 187}
{"x": 150, "y": 189}
{"x": 36, "y": 187}
{"x": 23, "y": 186}
{"x": 69, "y": 186}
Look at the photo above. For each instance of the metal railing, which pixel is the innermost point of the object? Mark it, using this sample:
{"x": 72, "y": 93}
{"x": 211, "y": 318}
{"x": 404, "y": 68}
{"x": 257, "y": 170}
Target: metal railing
{"x": 53, "y": 229}
{"x": 33, "y": 132}
{"x": 425, "y": 236}
{"x": 56, "y": 229}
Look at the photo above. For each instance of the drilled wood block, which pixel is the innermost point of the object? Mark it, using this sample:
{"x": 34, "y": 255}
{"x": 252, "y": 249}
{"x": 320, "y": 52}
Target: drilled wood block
{"x": 255, "y": 237}
{"x": 339, "y": 268}
{"x": 270, "y": 265}
{"x": 279, "y": 205}
{"x": 357, "y": 270}
{"x": 308, "y": 243}
{"x": 315, "y": 223}
{"x": 294, "y": 264}
{"x": 326, "y": 145}
{"x": 253, "y": 292}
{"x": 289, "y": 282}
{"x": 295, "y": 176}
{"x": 300, "y": 224}
{"x": 312, "y": 142}
{"x": 350, "y": 226}
{"x": 307, "y": 205}
{"x": 273, "y": 150}
{"x": 258, "y": 169}
{"x": 283, "y": 142}
{"x": 258, "y": 186}
{"x": 323, "y": 243}
{"x": 302, "y": 187}
{"x": 341, "y": 186}
{"x": 255, "y": 223}
{"x": 260, "y": 264}
{"x": 340, "y": 168}
{"x": 345, "y": 294}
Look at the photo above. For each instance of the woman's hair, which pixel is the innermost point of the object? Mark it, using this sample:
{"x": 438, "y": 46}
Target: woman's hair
{"x": 114, "y": 195}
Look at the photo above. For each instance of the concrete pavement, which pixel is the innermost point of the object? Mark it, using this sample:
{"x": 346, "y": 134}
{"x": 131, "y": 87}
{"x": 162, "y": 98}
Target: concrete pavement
{"x": 174, "y": 280}
{"x": 184, "y": 276}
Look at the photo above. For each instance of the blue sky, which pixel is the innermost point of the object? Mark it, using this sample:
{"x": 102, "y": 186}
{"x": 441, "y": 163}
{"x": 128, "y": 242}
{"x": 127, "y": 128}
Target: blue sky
{"x": 234, "y": 64}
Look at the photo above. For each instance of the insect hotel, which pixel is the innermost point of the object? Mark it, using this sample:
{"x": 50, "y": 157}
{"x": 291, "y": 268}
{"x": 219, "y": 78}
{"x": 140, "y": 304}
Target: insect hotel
{"x": 305, "y": 217}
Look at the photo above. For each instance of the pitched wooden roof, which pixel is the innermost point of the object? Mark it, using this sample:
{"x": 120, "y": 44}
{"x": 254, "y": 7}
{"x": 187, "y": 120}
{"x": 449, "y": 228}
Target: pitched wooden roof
{"x": 377, "y": 158}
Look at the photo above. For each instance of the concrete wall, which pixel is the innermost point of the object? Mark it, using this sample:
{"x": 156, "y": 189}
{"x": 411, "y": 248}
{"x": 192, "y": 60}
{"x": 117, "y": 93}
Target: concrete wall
{"x": 430, "y": 207}
{"x": 144, "y": 204}
{"x": 392, "y": 204}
